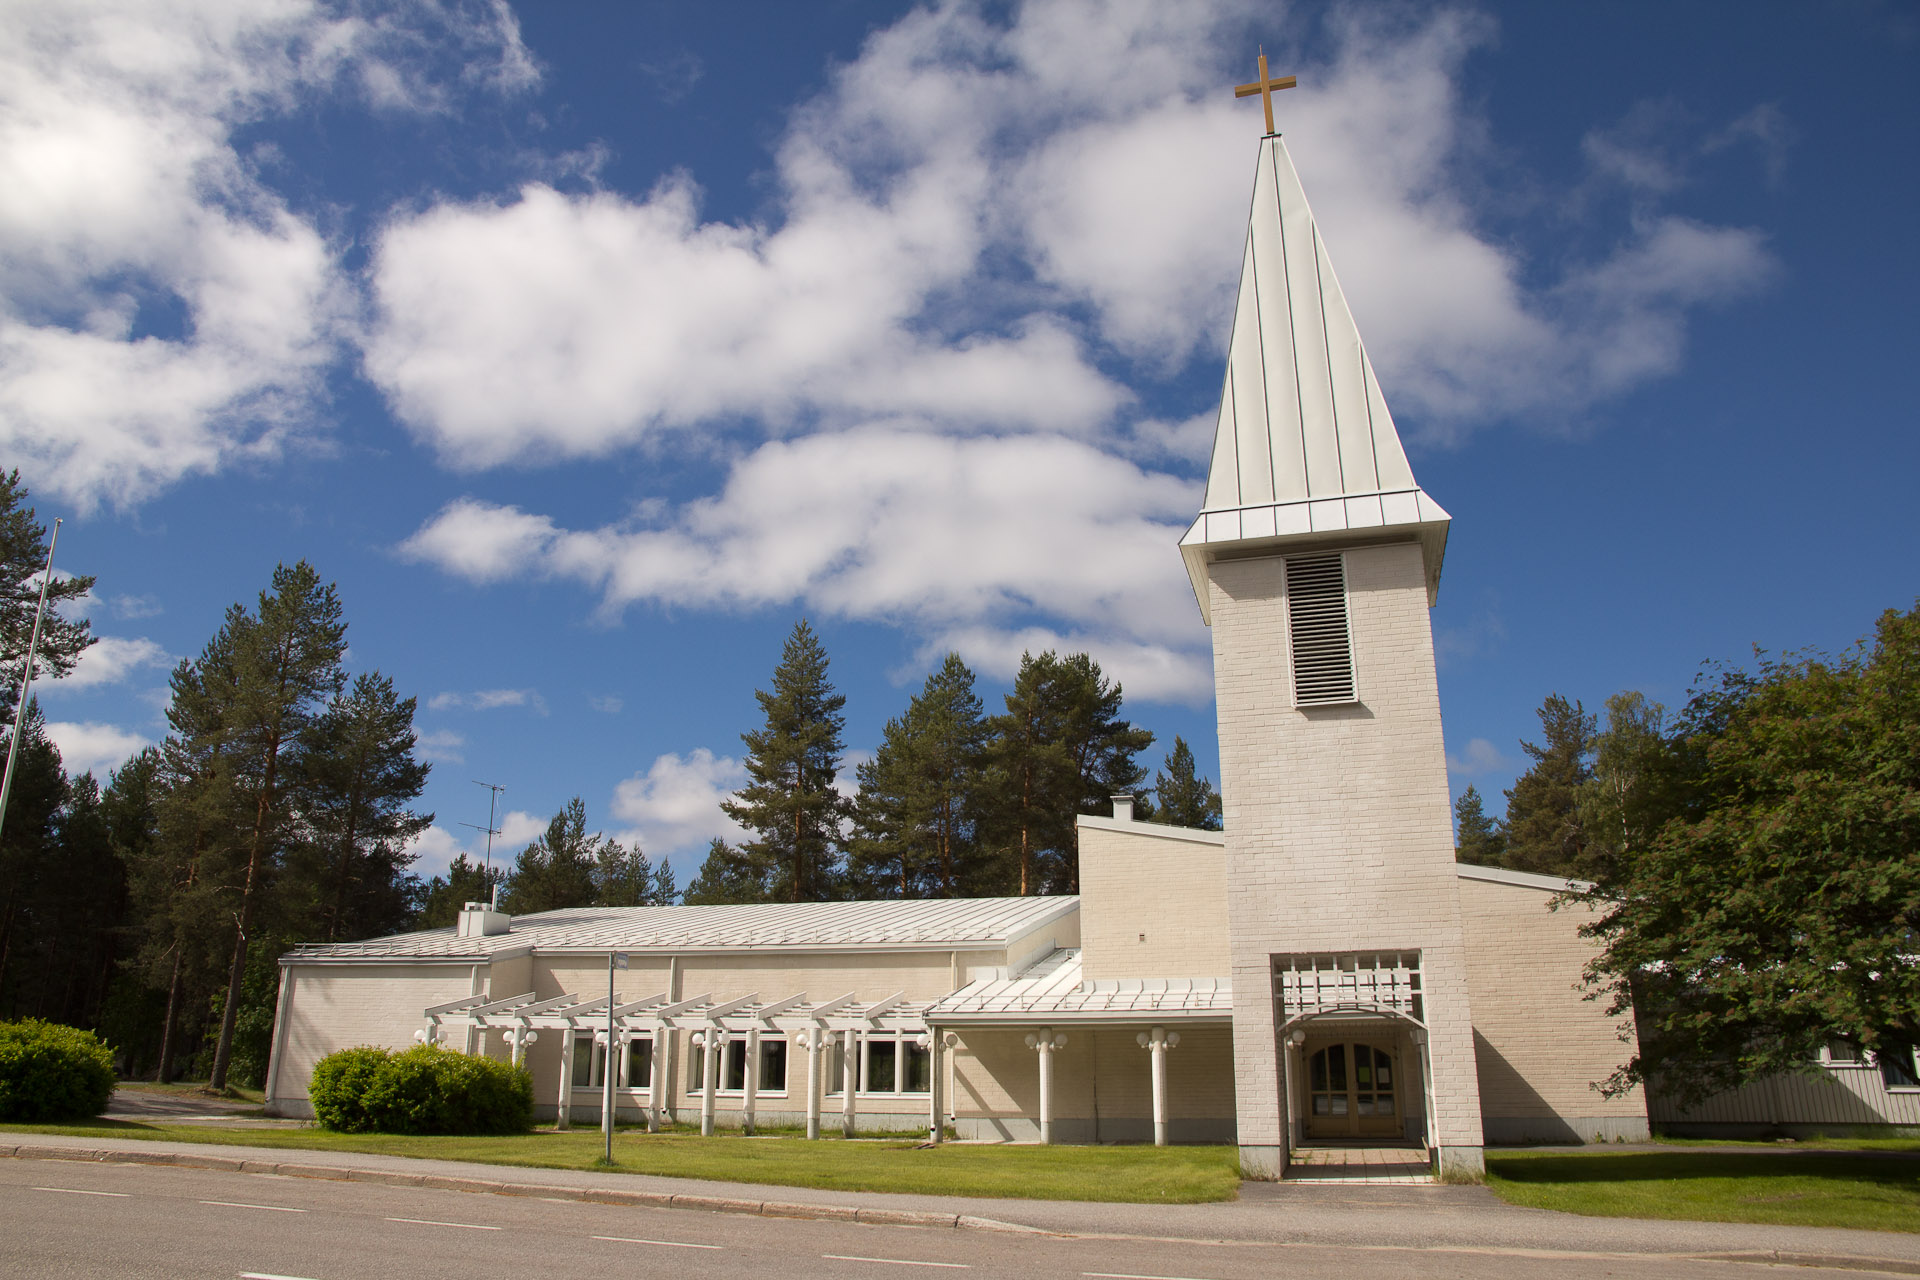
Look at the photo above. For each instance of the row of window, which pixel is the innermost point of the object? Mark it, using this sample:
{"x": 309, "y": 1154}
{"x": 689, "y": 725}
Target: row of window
{"x": 1899, "y": 1068}
{"x": 889, "y": 1063}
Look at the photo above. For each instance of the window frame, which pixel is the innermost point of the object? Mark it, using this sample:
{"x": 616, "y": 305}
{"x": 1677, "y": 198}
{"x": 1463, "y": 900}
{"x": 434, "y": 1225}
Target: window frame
{"x": 733, "y": 1045}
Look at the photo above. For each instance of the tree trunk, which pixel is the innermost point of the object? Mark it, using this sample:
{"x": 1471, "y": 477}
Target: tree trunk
{"x": 165, "y": 1074}
{"x": 223, "y": 1050}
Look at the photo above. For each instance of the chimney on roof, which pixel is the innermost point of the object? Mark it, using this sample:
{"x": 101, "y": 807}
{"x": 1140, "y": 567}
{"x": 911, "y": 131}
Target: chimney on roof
{"x": 1123, "y": 808}
{"x": 482, "y": 920}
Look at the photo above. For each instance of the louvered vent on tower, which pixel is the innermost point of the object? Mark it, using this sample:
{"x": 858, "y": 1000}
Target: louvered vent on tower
{"x": 1317, "y": 623}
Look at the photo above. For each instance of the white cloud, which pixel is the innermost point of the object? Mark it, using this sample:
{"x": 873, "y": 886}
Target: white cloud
{"x": 441, "y": 745}
{"x": 1480, "y": 757}
{"x": 675, "y": 805}
{"x": 964, "y": 540}
{"x": 135, "y": 607}
{"x": 518, "y": 829}
{"x": 606, "y": 704}
{"x": 123, "y": 198}
{"x": 488, "y": 700}
{"x": 434, "y": 851}
{"x": 94, "y": 748}
{"x": 109, "y": 660}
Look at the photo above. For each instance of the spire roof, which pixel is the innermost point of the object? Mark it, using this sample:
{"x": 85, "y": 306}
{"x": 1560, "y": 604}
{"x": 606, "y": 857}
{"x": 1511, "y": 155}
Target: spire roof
{"x": 1305, "y": 450}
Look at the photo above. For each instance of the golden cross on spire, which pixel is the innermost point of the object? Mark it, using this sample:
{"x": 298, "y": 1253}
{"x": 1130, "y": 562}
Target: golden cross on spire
{"x": 1265, "y": 86}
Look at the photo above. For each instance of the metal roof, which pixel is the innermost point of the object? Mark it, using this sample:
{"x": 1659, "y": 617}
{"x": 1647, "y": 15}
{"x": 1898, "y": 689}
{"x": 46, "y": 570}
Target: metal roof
{"x": 1053, "y": 990}
{"x": 916, "y": 925}
{"x": 1305, "y": 448}
{"x": 788, "y": 1012}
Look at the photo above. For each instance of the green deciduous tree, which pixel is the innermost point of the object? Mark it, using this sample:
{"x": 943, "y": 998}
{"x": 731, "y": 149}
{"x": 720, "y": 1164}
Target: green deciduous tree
{"x": 1780, "y": 908}
{"x": 790, "y": 803}
{"x": 1543, "y": 830}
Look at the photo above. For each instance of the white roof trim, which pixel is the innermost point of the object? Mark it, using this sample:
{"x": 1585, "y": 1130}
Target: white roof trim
{"x": 1152, "y": 830}
{"x": 1521, "y": 879}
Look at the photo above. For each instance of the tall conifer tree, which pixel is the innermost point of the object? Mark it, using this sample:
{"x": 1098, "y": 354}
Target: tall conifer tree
{"x": 790, "y": 802}
{"x": 1477, "y": 838}
{"x": 1182, "y": 798}
{"x": 1543, "y": 830}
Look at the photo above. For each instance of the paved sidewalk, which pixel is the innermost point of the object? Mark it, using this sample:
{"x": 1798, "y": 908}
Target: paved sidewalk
{"x": 1409, "y": 1217}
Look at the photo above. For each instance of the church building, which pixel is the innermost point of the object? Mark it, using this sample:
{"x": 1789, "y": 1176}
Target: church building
{"x": 1321, "y": 972}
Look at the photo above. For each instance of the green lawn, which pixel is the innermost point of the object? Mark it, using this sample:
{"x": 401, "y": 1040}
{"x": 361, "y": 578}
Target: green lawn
{"x": 1147, "y": 1175}
{"x": 1866, "y": 1190}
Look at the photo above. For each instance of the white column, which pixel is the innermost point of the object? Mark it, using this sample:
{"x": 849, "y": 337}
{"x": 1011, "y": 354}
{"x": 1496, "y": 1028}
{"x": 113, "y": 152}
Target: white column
{"x": 810, "y": 1040}
{"x": 566, "y": 1078}
{"x": 656, "y": 1074}
{"x": 936, "y": 1087}
{"x": 715, "y": 1043}
{"x": 602, "y": 1039}
{"x": 849, "y": 1079}
{"x": 753, "y": 1076}
{"x": 1156, "y": 1043}
{"x": 1044, "y": 1043}
{"x": 519, "y": 1038}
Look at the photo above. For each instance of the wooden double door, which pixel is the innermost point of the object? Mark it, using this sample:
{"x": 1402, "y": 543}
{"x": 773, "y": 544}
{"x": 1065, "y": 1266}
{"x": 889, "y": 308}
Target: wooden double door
{"x": 1354, "y": 1090}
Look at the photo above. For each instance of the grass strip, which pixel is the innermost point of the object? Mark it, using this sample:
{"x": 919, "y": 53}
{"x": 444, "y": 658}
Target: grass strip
{"x": 1133, "y": 1175}
{"x": 1865, "y": 1191}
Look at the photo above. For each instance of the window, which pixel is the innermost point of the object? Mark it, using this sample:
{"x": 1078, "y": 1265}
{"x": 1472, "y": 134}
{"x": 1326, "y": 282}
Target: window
{"x": 640, "y": 1062}
{"x": 1841, "y": 1054}
{"x": 733, "y": 1066}
{"x": 1317, "y": 628}
{"x": 1898, "y": 1067}
{"x": 895, "y": 1063}
{"x": 589, "y": 1061}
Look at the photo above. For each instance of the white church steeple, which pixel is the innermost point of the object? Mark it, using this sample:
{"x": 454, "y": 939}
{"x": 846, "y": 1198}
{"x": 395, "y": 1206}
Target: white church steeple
{"x": 1305, "y": 451}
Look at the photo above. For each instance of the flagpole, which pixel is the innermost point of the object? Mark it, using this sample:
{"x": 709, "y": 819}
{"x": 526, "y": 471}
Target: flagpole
{"x": 26, "y": 677}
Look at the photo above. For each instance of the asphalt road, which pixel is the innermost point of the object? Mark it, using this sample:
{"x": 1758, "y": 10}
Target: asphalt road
{"x": 67, "y": 1219}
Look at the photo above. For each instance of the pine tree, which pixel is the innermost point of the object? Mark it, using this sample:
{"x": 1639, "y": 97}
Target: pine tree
{"x": 622, "y": 877}
{"x": 917, "y": 816}
{"x": 1479, "y": 839}
{"x": 283, "y": 664}
{"x": 353, "y": 781}
{"x": 444, "y": 897}
{"x": 1543, "y": 809}
{"x": 1183, "y": 799}
{"x": 666, "y": 891}
{"x": 29, "y": 857}
{"x": 726, "y": 877}
{"x": 790, "y": 802}
{"x": 557, "y": 869}
{"x": 23, "y": 558}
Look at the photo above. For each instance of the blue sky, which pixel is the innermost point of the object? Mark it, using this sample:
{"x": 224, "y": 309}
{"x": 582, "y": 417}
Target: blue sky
{"x": 586, "y": 347}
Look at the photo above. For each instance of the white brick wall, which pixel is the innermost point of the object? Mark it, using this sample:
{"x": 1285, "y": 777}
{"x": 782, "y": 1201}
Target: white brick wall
{"x": 1339, "y": 831}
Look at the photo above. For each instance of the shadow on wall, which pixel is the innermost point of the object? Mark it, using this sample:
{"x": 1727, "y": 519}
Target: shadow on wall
{"x": 1513, "y": 1112}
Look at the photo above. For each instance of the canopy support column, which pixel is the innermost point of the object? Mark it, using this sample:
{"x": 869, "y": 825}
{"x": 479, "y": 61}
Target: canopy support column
{"x": 1044, "y": 1042}
{"x": 564, "y": 1119}
{"x": 936, "y": 1087}
{"x": 753, "y": 1077}
{"x": 810, "y": 1041}
{"x": 1156, "y": 1043}
{"x": 656, "y": 1075}
{"x": 849, "y": 1078}
{"x": 710, "y": 1076}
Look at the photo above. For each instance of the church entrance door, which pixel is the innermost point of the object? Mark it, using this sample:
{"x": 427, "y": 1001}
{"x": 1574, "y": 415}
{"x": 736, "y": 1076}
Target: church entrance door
{"x": 1353, "y": 1091}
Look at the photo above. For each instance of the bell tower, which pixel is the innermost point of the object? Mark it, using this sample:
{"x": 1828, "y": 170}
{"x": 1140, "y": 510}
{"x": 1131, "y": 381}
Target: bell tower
{"x": 1315, "y": 560}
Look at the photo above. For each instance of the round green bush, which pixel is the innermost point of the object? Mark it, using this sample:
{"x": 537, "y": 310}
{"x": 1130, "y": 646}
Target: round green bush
{"x": 50, "y": 1073}
{"x": 422, "y": 1090}
{"x": 340, "y": 1081}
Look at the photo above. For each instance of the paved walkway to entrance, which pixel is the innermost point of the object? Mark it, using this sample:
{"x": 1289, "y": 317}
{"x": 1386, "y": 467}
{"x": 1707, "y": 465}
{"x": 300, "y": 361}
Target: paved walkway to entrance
{"x": 1431, "y": 1217}
{"x": 1347, "y": 1164}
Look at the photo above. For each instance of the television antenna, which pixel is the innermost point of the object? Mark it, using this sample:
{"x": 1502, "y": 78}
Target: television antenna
{"x": 494, "y": 791}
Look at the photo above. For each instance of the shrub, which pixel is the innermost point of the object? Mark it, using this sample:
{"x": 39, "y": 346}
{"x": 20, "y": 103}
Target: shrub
{"x": 339, "y": 1087}
{"x": 425, "y": 1089}
{"x": 50, "y": 1073}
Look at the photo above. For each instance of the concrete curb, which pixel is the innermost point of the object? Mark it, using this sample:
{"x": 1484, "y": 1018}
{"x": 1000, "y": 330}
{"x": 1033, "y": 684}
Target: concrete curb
{"x": 488, "y": 1186}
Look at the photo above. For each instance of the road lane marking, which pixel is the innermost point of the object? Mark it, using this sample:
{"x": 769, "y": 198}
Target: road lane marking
{"x": 431, "y": 1222}
{"x": 664, "y": 1244}
{"x": 267, "y": 1275}
{"x": 75, "y": 1191}
{"x": 897, "y": 1262}
{"x": 241, "y": 1204}
{"x": 1121, "y": 1275}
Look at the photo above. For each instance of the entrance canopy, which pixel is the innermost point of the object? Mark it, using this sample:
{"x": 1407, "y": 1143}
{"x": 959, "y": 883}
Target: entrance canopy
{"x": 1054, "y": 991}
{"x": 791, "y": 1013}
